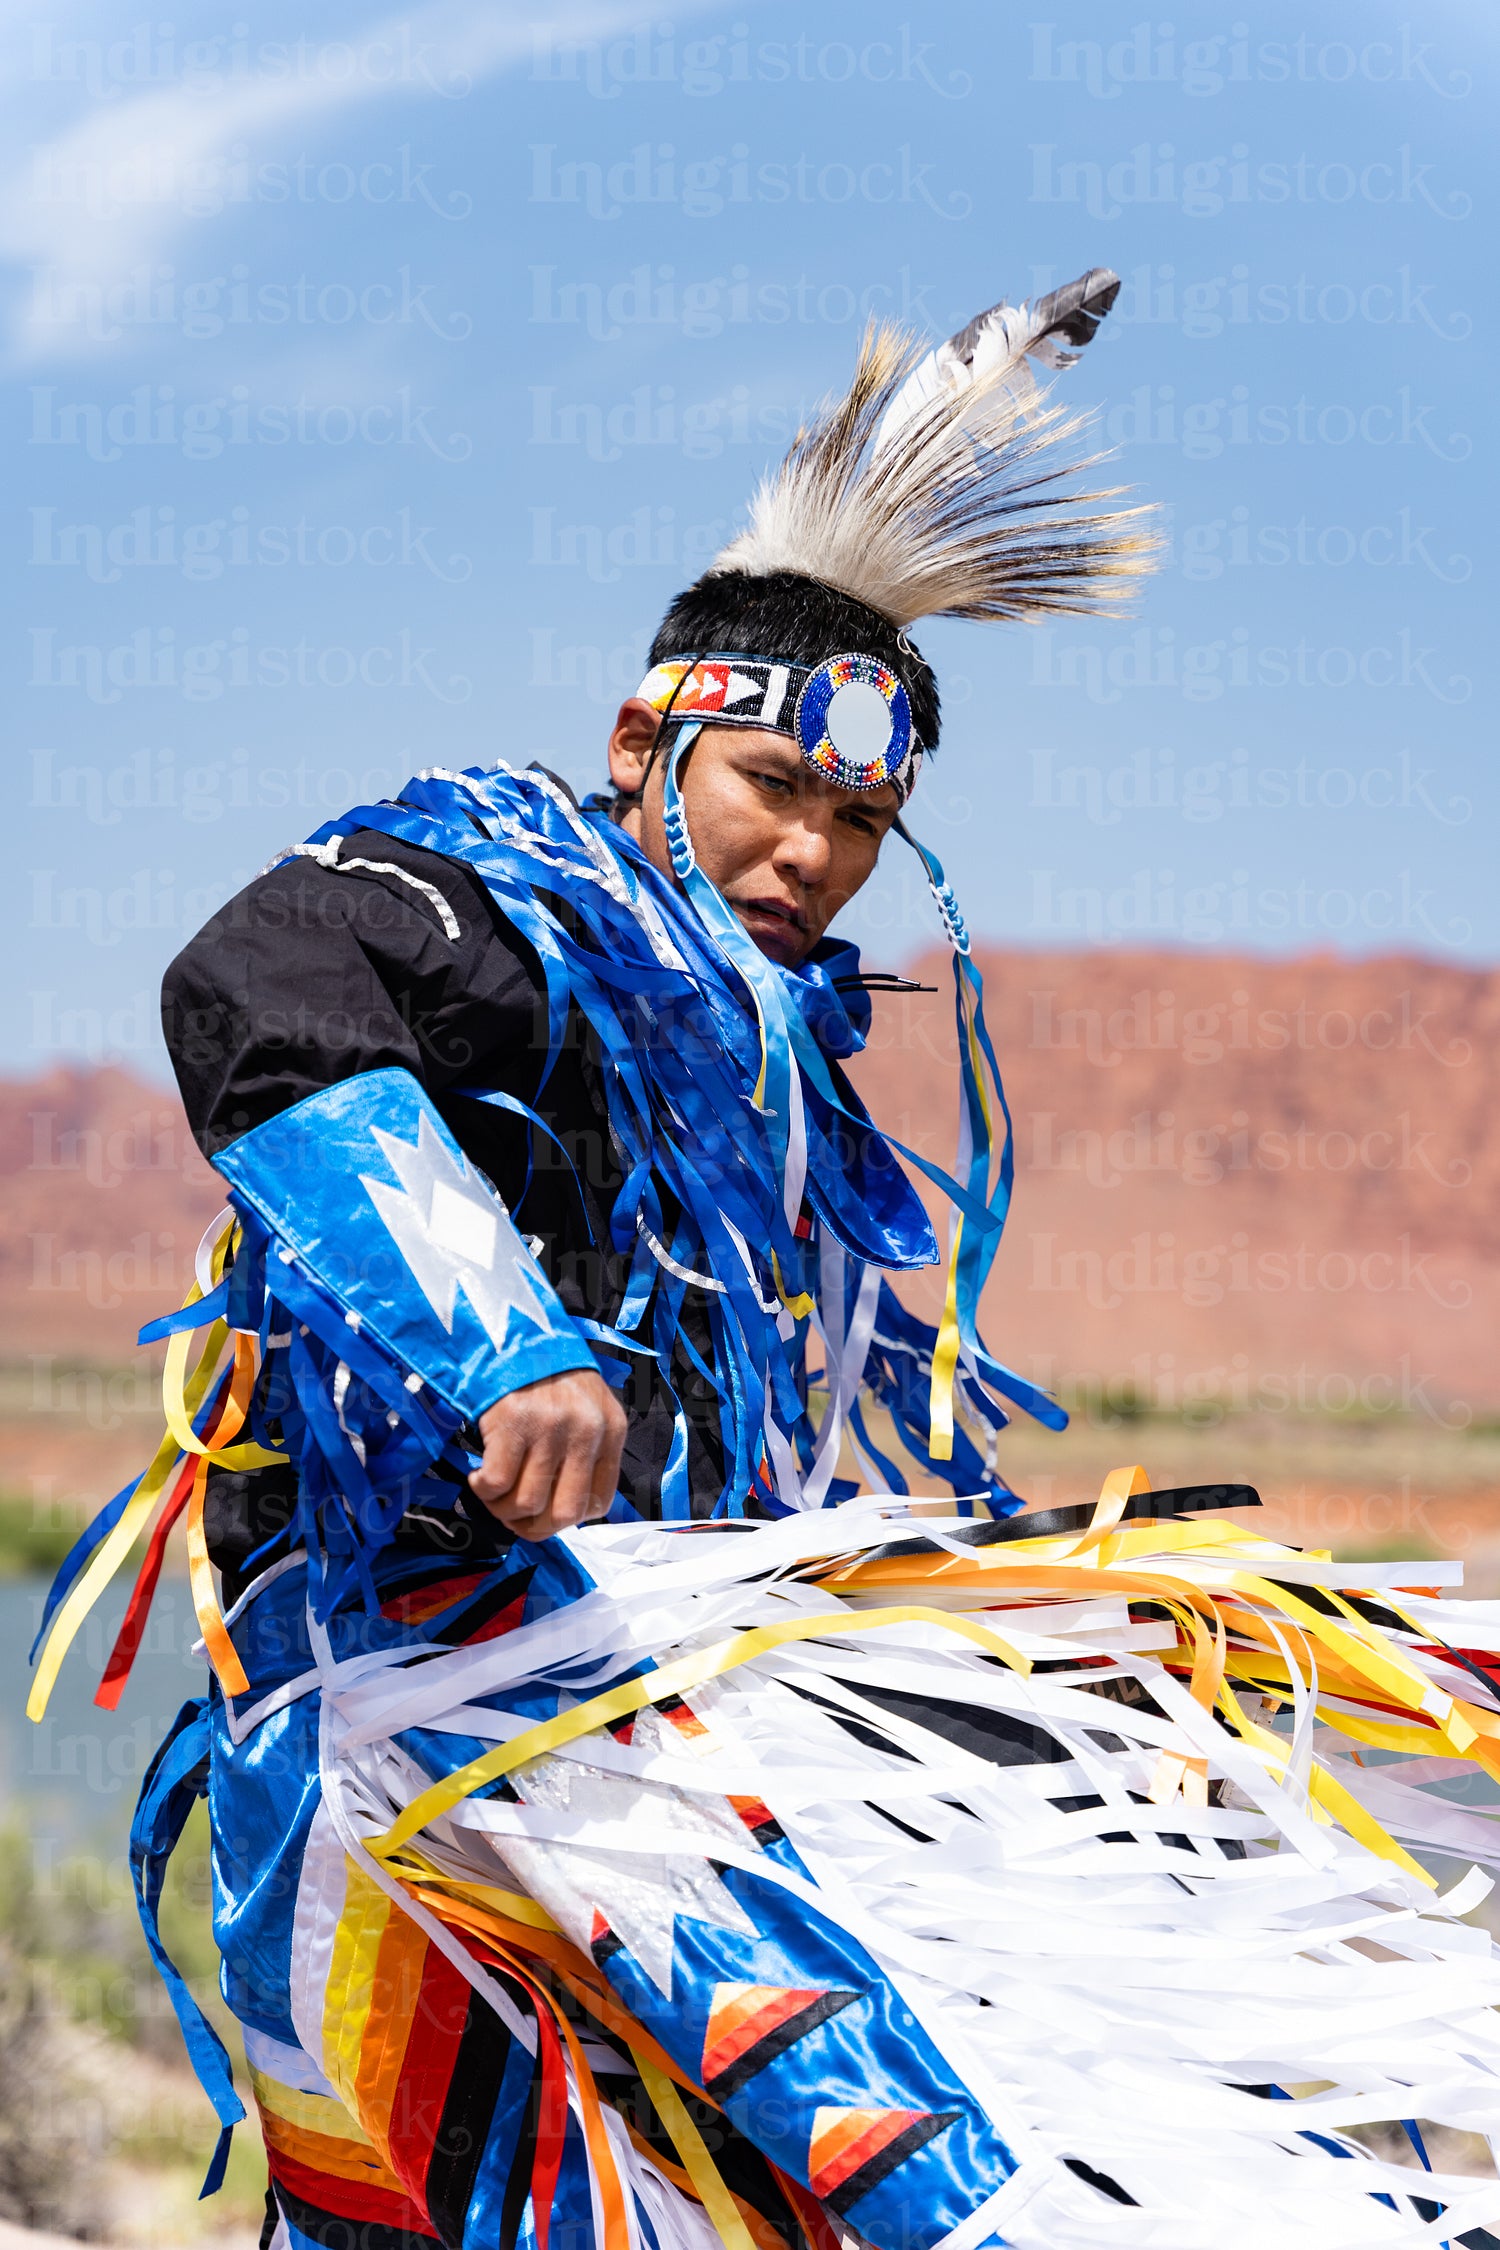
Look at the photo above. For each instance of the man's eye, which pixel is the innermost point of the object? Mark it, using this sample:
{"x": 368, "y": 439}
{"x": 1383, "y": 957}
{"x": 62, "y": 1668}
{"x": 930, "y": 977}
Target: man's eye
{"x": 773, "y": 781}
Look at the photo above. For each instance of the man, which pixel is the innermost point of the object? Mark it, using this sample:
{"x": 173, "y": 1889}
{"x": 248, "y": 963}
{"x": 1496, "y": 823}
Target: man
{"x": 311, "y": 975}
{"x": 719, "y": 1871}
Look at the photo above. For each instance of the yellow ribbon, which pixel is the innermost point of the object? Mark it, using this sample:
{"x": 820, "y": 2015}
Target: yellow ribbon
{"x": 1355, "y": 1654}
{"x": 799, "y": 1307}
{"x": 1382, "y": 1665}
{"x": 1329, "y": 1797}
{"x": 679, "y": 1677}
{"x": 183, "y": 1391}
{"x": 415, "y": 1869}
{"x": 179, "y": 1409}
{"x": 107, "y": 1559}
{"x": 945, "y": 1360}
{"x": 1119, "y": 1487}
{"x": 945, "y": 1350}
{"x": 696, "y": 2161}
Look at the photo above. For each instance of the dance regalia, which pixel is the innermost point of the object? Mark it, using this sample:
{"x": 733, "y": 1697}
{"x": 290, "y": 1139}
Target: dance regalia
{"x": 769, "y": 1864}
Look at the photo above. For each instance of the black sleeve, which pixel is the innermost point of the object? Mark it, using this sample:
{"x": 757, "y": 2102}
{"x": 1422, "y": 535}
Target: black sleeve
{"x": 311, "y": 975}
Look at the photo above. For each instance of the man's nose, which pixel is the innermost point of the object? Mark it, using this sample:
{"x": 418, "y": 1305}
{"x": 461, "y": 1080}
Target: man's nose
{"x": 805, "y": 850}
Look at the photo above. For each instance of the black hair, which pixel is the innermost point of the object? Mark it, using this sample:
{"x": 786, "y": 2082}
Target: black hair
{"x": 785, "y": 614}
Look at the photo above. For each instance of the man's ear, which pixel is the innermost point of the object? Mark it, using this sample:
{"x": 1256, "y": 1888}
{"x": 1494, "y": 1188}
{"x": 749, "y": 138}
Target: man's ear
{"x": 631, "y": 744}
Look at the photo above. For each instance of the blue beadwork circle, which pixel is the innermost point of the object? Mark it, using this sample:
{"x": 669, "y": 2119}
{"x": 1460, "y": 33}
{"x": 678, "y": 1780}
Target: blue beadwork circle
{"x": 831, "y": 740}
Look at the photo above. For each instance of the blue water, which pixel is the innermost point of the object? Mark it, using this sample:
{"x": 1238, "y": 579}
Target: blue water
{"x": 71, "y": 1780}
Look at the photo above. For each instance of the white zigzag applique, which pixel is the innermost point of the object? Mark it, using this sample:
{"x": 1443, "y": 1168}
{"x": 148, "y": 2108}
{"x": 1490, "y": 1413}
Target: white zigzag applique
{"x": 453, "y": 1234}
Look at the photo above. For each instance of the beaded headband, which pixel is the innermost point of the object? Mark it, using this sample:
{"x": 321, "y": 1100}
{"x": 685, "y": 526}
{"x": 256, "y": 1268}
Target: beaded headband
{"x": 850, "y": 716}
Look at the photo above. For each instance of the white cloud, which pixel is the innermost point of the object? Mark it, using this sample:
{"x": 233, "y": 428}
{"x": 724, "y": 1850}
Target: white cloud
{"x": 107, "y": 196}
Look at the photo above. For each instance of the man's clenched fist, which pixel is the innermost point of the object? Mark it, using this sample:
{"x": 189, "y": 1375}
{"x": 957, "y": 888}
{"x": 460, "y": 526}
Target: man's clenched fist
{"x": 551, "y": 1454}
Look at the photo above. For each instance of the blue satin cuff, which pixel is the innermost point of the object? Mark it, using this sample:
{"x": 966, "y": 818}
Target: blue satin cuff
{"x": 367, "y": 1192}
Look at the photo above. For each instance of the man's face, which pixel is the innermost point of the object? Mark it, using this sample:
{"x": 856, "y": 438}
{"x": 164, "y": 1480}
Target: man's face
{"x": 786, "y": 848}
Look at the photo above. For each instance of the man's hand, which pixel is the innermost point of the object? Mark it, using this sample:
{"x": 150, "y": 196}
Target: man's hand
{"x": 551, "y": 1454}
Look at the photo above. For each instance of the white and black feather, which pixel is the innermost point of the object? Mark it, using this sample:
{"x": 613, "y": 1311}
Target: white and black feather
{"x": 936, "y": 487}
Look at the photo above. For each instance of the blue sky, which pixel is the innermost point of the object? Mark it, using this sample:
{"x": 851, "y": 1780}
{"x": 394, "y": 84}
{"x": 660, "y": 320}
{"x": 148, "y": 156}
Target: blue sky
{"x": 373, "y": 381}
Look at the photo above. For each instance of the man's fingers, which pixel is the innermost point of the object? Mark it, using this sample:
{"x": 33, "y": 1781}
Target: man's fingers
{"x": 571, "y": 1493}
{"x": 551, "y": 1454}
{"x": 531, "y": 1494}
{"x": 505, "y": 1449}
{"x": 605, "y": 1481}
{"x": 603, "y": 1485}
{"x": 588, "y": 1476}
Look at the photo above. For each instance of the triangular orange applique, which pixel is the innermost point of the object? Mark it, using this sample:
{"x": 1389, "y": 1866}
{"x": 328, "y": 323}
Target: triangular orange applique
{"x": 603, "y": 1942}
{"x": 758, "y": 1818}
{"x": 422, "y": 1602}
{"x": 683, "y": 1717}
{"x": 853, "y": 2150}
{"x": 750, "y": 2025}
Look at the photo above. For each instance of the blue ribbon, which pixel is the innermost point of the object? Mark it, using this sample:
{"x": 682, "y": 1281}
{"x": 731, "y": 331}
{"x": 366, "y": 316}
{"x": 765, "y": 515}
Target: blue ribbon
{"x": 176, "y": 1777}
{"x": 197, "y": 1315}
{"x": 679, "y": 1024}
{"x": 76, "y": 1559}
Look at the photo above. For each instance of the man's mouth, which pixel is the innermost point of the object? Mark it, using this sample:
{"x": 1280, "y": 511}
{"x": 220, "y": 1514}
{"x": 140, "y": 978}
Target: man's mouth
{"x": 776, "y": 909}
{"x": 779, "y": 929}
